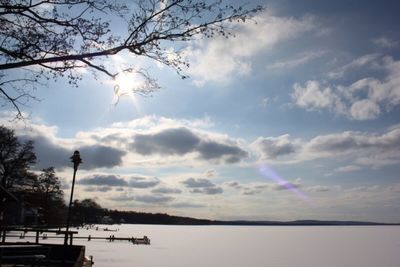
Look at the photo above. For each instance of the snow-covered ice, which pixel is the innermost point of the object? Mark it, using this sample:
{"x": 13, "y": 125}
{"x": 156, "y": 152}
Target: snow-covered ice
{"x": 246, "y": 246}
{"x": 259, "y": 246}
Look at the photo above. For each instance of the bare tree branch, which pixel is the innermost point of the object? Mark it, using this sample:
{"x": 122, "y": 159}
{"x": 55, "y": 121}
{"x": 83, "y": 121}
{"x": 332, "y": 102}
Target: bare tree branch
{"x": 13, "y": 101}
{"x": 54, "y": 38}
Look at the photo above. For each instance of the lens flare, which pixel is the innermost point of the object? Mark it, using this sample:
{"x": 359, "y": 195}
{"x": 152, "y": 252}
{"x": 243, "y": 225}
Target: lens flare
{"x": 268, "y": 172}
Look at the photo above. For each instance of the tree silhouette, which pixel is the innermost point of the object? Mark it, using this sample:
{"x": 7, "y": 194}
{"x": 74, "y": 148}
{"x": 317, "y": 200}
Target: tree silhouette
{"x": 39, "y": 191}
{"x": 15, "y": 159}
{"x": 48, "y": 39}
{"x": 87, "y": 211}
{"x": 49, "y": 187}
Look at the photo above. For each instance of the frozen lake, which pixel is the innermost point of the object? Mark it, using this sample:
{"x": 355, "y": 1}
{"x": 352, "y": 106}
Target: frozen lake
{"x": 255, "y": 246}
{"x": 239, "y": 246}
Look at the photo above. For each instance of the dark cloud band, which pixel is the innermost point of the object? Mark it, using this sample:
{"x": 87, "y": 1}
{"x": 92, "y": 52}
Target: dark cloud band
{"x": 181, "y": 141}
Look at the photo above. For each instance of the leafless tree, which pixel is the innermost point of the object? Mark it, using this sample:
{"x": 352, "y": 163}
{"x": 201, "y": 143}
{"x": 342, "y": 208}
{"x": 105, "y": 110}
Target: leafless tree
{"x": 15, "y": 158}
{"x": 48, "y": 39}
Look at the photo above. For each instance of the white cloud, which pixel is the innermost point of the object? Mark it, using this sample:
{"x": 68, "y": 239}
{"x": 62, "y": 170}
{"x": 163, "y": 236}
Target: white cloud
{"x": 255, "y": 188}
{"x": 275, "y": 147}
{"x": 183, "y": 141}
{"x": 348, "y": 168}
{"x": 166, "y": 190}
{"x": 365, "y": 60}
{"x": 200, "y": 147}
{"x": 286, "y": 185}
{"x": 363, "y": 99}
{"x": 145, "y": 141}
{"x": 352, "y": 200}
{"x": 202, "y": 186}
{"x": 234, "y": 184}
{"x": 211, "y": 174}
{"x": 159, "y": 123}
{"x": 151, "y": 199}
{"x": 385, "y": 42}
{"x": 364, "y": 109}
{"x": 318, "y": 188}
{"x": 143, "y": 198}
{"x": 221, "y": 59}
{"x": 377, "y": 161}
{"x": 294, "y": 62}
{"x": 357, "y": 149}
{"x": 354, "y": 142}
{"x": 313, "y": 96}
{"x": 265, "y": 101}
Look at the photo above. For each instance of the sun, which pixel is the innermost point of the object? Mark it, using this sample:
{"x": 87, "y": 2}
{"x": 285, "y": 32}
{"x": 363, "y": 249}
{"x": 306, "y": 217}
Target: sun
{"x": 125, "y": 85}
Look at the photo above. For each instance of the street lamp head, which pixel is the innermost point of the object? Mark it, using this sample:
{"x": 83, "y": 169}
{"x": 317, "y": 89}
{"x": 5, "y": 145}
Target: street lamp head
{"x": 76, "y": 159}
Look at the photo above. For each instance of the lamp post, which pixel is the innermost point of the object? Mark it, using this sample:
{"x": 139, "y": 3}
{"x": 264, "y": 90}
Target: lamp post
{"x": 76, "y": 159}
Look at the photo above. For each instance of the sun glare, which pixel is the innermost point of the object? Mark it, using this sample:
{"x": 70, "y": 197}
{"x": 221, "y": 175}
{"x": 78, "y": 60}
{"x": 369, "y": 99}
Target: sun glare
{"x": 125, "y": 85}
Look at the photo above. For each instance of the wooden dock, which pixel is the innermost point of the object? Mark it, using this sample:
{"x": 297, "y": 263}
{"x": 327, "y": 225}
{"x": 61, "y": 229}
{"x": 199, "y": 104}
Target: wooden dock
{"x": 137, "y": 241}
{"x": 38, "y": 232}
{"x": 59, "y": 234}
{"x": 30, "y": 254}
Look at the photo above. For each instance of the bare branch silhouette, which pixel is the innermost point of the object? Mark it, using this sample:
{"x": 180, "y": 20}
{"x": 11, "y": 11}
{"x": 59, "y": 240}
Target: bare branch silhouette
{"x": 56, "y": 38}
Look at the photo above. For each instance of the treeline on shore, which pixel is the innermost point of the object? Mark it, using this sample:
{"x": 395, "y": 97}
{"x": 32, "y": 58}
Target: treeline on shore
{"x": 89, "y": 212}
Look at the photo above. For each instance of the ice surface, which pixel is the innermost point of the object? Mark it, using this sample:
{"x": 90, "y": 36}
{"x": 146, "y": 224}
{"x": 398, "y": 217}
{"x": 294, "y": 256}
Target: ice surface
{"x": 247, "y": 246}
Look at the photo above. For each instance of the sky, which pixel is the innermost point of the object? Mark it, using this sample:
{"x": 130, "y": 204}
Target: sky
{"x": 297, "y": 117}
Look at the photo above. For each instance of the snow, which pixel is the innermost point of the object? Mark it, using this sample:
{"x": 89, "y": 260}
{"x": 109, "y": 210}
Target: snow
{"x": 238, "y": 246}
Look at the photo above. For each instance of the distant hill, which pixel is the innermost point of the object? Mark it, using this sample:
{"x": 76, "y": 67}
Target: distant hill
{"x": 300, "y": 222}
{"x": 161, "y": 218}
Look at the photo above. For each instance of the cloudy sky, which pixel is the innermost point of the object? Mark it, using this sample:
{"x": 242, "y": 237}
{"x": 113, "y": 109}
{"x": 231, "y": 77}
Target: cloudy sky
{"x": 298, "y": 117}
